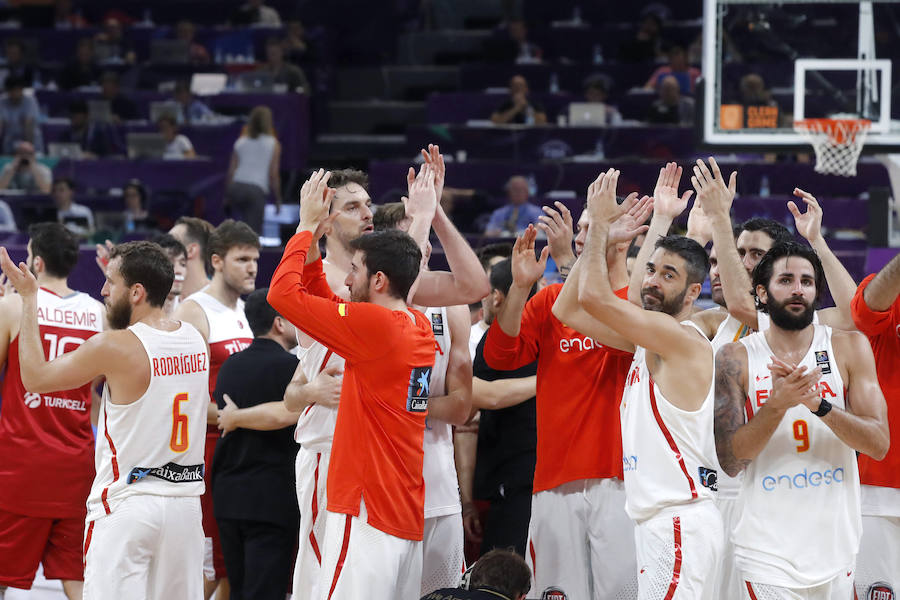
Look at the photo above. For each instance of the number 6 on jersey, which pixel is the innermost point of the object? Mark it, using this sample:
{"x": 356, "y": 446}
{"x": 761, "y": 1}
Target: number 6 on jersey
{"x": 179, "y": 442}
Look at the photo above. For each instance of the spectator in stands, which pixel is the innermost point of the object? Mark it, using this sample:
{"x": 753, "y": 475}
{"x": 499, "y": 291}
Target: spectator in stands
{"x": 498, "y": 574}
{"x": 297, "y": 49}
{"x": 76, "y": 217}
{"x": 136, "y": 198}
{"x": 66, "y": 18}
{"x": 254, "y": 169}
{"x": 19, "y": 115}
{"x": 121, "y": 107}
{"x": 254, "y": 12}
{"x": 283, "y": 72}
{"x": 671, "y": 107}
{"x": 178, "y": 146}
{"x": 111, "y": 44}
{"x": 513, "y": 218}
{"x": 25, "y": 173}
{"x": 96, "y": 138}
{"x": 596, "y": 91}
{"x": 519, "y": 108}
{"x": 685, "y": 75}
{"x": 525, "y": 52}
{"x": 7, "y": 220}
{"x": 753, "y": 94}
{"x": 646, "y": 46}
{"x": 15, "y": 64}
{"x": 82, "y": 70}
{"x": 190, "y": 109}
{"x": 197, "y": 53}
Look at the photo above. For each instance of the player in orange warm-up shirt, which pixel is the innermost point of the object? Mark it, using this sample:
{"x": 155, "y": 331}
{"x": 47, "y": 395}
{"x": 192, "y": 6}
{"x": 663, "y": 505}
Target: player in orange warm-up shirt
{"x": 376, "y": 492}
{"x": 876, "y": 312}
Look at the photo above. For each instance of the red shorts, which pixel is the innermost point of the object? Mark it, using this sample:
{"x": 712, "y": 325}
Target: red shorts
{"x": 210, "y": 528}
{"x": 26, "y": 542}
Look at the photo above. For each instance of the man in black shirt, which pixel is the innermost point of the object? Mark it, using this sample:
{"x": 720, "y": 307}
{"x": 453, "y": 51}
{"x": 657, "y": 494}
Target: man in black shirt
{"x": 507, "y": 448}
{"x": 519, "y": 108}
{"x": 253, "y": 471}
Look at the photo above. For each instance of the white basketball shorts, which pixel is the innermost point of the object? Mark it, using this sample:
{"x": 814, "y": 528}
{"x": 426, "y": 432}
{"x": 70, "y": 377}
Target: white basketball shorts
{"x": 443, "y": 558}
{"x": 312, "y": 473}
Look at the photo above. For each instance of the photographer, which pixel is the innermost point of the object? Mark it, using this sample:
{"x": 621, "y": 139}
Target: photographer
{"x": 25, "y": 173}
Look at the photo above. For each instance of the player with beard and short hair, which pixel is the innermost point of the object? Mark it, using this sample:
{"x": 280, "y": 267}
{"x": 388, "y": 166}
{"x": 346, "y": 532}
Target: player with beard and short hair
{"x": 46, "y": 436}
{"x": 667, "y": 444}
{"x": 375, "y": 513}
{"x": 351, "y": 217}
{"x": 144, "y": 536}
{"x": 811, "y": 401}
{"x": 217, "y": 312}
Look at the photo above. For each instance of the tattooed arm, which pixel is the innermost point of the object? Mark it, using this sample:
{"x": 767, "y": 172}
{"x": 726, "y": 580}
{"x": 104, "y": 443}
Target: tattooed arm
{"x": 731, "y": 389}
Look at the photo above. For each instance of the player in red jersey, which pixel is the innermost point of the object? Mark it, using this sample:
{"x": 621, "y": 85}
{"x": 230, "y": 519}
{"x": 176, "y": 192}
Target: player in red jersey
{"x": 579, "y": 501}
{"x": 876, "y": 312}
{"x": 46, "y": 440}
{"x": 217, "y": 312}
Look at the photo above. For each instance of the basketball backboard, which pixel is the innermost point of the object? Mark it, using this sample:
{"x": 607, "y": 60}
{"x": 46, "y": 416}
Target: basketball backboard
{"x": 766, "y": 66}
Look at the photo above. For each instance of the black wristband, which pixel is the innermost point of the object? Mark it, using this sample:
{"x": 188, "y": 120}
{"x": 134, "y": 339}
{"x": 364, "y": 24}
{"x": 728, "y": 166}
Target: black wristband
{"x": 824, "y": 408}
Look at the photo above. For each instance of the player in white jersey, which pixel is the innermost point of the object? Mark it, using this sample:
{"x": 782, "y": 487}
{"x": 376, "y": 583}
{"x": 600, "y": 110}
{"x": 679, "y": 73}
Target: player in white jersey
{"x": 443, "y": 560}
{"x": 667, "y": 447}
{"x": 194, "y": 234}
{"x": 467, "y": 282}
{"x": 217, "y": 312}
{"x": 813, "y": 400}
{"x": 144, "y": 536}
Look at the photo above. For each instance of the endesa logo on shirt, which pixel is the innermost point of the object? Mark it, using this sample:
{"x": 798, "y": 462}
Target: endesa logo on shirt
{"x": 577, "y": 344}
{"x": 803, "y": 479}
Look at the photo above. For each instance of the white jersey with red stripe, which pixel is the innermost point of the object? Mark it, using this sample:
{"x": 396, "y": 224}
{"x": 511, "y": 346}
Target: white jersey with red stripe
{"x": 729, "y": 331}
{"x": 155, "y": 445}
{"x": 668, "y": 453}
{"x": 315, "y": 426}
{"x": 800, "y": 522}
{"x": 439, "y": 467}
{"x": 229, "y": 332}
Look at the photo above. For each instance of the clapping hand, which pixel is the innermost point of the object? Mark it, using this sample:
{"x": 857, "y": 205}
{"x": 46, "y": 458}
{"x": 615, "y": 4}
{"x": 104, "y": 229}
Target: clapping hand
{"x": 526, "y": 268}
{"x": 715, "y": 195}
{"x": 809, "y": 224}
{"x": 666, "y": 201}
{"x": 315, "y": 202}
{"x": 19, "y": 276}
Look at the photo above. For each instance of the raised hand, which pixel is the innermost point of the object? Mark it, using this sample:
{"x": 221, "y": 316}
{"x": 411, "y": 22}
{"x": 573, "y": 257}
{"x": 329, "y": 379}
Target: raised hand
{"x": 6, "y": 287}
{"x": 557, "y": 226}
{"x": 435, "y": 159}
{"x": 422, "y": 201}
{"x": 103, "y": 252}
{"x": 631, "y": 223}
{"x": 699, "y": 224}
{"x": 19, "y": 276}
{"x": 809, "y": 224}
{"x": 315, "y": 201}
{"x": 715, "y": 195}
{"x": 526, "y": 268}
{"x": 665, "y": 195}
{"x": 601, "y": 201}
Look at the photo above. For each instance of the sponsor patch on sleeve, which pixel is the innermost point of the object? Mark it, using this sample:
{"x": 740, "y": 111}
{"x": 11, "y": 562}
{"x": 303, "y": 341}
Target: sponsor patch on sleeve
{"x": 419, "y": 389}
{"x": 342, "y": 309}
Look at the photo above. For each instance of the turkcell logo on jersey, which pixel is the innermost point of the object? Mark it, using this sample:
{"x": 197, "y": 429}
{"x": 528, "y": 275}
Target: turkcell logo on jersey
{"x": 880, "y": 591}
{"x": 419, "y": 389}
{"x": 803, "y": 479}
{"x": 34, "y": 400}
{"x": 168, "y": 472}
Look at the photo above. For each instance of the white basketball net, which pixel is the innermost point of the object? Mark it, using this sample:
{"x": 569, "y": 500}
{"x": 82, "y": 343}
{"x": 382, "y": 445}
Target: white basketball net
{"x": 837, "y": 143}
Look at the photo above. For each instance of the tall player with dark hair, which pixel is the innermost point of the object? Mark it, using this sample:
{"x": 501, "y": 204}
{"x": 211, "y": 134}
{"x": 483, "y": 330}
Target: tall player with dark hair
{"x": 667, "y": 445}
{"x": 217, "y": 312}
{"x": 812, "y": 401}
{"x": 46, "y": 437}
{"x": 376, "y": 493}
{"x": 144, "y": 536}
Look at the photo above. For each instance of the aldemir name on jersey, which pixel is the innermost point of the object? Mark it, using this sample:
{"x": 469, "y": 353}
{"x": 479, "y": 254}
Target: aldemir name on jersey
{"x": 33, "y": 400}
{"x": 74, "y": 318}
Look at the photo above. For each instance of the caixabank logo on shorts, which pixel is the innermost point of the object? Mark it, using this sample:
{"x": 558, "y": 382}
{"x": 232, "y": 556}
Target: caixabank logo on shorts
{"x": 880, "y": 591}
